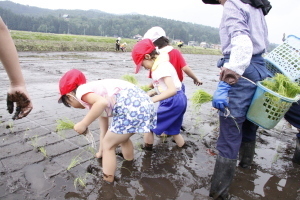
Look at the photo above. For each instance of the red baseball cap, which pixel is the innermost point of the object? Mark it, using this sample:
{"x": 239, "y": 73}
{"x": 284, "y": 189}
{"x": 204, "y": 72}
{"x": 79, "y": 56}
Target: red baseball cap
{"x": 70, "y": 80}
{"x": 139, "y": 51}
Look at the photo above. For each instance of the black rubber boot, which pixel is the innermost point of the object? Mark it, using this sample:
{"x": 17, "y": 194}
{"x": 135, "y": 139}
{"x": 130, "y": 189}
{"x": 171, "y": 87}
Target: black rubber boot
{"x": 246, "y": 154}
{"x": 222, "y": 177}
{"x": 296, "y": 158}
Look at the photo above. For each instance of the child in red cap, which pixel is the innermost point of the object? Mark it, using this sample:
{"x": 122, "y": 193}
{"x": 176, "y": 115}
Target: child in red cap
{"x": 172, "y": 100}
{"x": 131, "y": 109}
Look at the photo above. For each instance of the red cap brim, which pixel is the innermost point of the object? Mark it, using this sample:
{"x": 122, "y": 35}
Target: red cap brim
{"x": 138, "y": 67}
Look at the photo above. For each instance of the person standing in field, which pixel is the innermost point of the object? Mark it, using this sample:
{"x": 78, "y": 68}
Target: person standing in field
{"x": 180, "y": 44}
{"x": 244, "y": 38}
{"x": 17, "y": 92}
{"x": 158, "y": 36}
{"x": 130, "y": 108}
{"x": 168, "y": 87}
{"x": 118, "y": 43}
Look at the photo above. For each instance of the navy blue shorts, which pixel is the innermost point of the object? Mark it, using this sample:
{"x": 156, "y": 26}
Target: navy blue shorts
{"x": 170, "y": 114}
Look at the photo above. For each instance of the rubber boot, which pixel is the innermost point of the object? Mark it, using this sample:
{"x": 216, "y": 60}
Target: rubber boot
{"x": 296, "y": 157}
{"x": 222, "y": 177}
{"x": 246, "y": 154}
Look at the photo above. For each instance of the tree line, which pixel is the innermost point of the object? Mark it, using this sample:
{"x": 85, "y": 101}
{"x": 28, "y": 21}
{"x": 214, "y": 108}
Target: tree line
{"x": 93, "y": 22}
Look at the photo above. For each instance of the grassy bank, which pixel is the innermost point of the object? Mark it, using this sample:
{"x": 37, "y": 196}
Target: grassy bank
{"x": 35, "y": 41}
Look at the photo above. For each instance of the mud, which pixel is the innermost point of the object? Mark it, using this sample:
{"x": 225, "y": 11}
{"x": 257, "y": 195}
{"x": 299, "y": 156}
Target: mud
{"x": 168, "y": 172}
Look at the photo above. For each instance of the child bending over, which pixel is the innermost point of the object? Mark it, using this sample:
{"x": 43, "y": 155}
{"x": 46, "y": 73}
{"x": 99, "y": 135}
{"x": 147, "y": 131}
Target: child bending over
{"x": 131, "y": 109}
{"x": 172, "y": 100}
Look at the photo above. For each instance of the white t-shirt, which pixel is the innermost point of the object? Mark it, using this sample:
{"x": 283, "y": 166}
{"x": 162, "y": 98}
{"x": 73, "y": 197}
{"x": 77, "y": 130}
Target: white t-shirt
{"x": 163, "y": 68}
{"x": 105, "y": 88}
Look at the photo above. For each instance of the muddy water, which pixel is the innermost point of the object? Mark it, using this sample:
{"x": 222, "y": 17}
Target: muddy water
{"x": 168, "y": 172}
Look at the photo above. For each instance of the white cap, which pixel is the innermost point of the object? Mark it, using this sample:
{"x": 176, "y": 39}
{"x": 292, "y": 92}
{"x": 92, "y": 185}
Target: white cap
{"x": 154, "y": 33}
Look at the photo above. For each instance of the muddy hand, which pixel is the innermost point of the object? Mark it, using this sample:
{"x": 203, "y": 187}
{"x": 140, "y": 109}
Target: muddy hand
{"x": 85, "y": 132}
{"x": 23, "y": 104}
{"x": 197, "y": 82}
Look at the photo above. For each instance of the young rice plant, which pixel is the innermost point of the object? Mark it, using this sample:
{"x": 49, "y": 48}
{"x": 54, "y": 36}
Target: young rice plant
{"x": 64, "y": 124}
{"x": 200, "y": 97}
{"x": 130, "y": 79}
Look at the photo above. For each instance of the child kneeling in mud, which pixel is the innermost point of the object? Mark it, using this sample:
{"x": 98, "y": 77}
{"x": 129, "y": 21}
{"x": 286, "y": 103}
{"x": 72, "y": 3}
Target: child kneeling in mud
{"x": 131, "y": 109}
{"x": 172, "y": 100}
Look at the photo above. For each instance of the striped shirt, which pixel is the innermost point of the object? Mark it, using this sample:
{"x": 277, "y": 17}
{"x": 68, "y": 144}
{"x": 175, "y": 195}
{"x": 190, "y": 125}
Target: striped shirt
{"x": 243, "y": 19}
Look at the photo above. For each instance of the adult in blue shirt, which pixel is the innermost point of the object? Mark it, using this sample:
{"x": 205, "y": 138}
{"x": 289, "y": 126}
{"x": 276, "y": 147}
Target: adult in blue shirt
{"x": 244, "y": 38}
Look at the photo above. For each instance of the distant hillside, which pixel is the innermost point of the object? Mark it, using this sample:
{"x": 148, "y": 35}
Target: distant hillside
{"x": 98, "y": 23}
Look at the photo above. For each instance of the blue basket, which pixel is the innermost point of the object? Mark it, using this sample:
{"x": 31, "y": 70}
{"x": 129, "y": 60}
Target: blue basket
{"x": 285, "y": 59}
{"x": 266, "y": 111}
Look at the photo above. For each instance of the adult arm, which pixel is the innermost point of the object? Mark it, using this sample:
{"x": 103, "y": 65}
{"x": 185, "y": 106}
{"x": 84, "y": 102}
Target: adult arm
{"x": 240, "y": 57}
{"x": 17, "y": 92}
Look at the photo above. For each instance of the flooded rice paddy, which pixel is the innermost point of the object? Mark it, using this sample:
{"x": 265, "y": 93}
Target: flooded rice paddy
{"x": 35, "y": 159}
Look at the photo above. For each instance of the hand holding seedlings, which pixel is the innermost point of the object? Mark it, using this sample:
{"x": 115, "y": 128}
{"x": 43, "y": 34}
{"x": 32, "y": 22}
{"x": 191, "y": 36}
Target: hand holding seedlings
{"x": 80, "y": 128}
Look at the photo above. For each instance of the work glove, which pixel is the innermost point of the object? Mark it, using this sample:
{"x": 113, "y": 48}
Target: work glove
{"x": 220, "y": 96}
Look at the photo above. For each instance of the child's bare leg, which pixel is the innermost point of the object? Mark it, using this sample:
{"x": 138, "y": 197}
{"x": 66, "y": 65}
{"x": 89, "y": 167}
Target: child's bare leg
{"x": 109, "y": 162}
{"x": 99, "y": 153}
{"x": 148, "y": 140}
{"x": 127, "y": 149}
{"x": 103, "y": 122}
{"x": 179, "y": 140}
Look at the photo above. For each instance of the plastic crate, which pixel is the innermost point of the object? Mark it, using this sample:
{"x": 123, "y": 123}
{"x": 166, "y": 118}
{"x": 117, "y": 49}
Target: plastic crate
{"x": 285, "y": 59}
{"x": 266, "y": 111}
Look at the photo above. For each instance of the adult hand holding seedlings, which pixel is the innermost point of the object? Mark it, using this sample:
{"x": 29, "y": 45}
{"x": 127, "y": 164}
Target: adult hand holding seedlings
{"x": 17, "y": 92}
{"x": 220, "y": 96}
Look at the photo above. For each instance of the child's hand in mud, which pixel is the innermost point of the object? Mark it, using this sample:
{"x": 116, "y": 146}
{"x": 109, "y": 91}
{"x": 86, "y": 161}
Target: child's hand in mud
{"x": 19, "y": 96}
{"x": 80, "y": 128}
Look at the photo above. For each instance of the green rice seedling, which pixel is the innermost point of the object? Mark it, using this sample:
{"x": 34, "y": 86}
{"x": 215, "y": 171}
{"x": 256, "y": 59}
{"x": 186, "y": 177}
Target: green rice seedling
{"x": 64, "y": 124}
{"x": 74, "y": 162}
{"x": 126, "y": 167}
{"x": 130, "y": 79}
{"x": 276, "y": 157}
{"x": 34, "y": 141}
{"x": 282, "y": 85}
{"x": 200, "y": 97}
{"x": 146, "y": 88}
{"x": 91, "y": 149}
{"x": 81, "y": 180}
{"x": 43, "y": 151}
{"x": 139, "y": 146}
{"x": 10, "y": 126}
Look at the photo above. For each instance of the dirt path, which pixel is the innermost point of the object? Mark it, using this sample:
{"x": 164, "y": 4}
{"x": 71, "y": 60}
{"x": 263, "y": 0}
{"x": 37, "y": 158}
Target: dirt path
{"x": 167, "y": 173}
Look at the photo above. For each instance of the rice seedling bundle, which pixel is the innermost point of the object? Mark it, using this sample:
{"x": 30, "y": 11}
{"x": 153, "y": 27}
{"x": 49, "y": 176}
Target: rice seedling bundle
{"x": 130, "y": 79}
{"x": 146, "y": 88}
{"x": 281, "y": 85}
{"x": 64, "y": 124}
{"x": 200, "y": 96}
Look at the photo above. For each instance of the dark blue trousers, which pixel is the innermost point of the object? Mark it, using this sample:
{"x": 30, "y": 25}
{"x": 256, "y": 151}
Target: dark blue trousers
{"x": 235, "y": 128}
